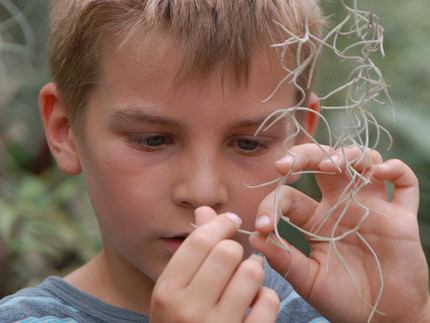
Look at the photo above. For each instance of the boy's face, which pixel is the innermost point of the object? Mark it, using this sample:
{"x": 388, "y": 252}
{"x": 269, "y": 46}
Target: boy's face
{"x": 151, "y": 151}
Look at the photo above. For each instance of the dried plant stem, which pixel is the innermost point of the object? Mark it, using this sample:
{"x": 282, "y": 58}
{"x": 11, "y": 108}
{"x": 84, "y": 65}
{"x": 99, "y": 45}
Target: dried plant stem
{"x": 363, "y": 87}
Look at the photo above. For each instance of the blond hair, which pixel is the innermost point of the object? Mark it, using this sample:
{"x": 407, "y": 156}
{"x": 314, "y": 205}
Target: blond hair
{"x": 212, "y": 33}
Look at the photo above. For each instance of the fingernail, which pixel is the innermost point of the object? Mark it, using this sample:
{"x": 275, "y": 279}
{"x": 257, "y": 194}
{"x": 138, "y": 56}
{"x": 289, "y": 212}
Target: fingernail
{"x": 285, "y": 160}
{"x": 233, "y": 217}
{"x": 262, "y": 221}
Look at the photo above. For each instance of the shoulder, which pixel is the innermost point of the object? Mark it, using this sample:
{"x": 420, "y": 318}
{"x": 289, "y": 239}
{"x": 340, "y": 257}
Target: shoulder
{"x": 293, "y": 308}
{"x": 54, "y": 300}
{"x": 36, "y": 303}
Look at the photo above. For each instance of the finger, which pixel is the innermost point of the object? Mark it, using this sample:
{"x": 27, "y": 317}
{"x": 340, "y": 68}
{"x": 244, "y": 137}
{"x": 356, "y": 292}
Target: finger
{"x": 197, "y": 247}
{"x": 265, "y": 307}
{"x": 242, "y": 289}
{"x": 306, "y": 156}
{"x": 318, "y": 157}
{"x": 300, "y": 270}
{"x": 406, "y": 187}
{"x": 203, "y": 215}
{"x": 356, "y": 157}
{"x": 215, "y": 273}
{"x": 291, "y": 203}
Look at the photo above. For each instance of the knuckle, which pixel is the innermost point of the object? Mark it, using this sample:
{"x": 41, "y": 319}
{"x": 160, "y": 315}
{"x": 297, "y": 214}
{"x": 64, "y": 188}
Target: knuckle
{"x": 165, "y": 304}
{"x": 252, "y": 270}
{"x": 200, "y": 240}
{"x": 405, "y": 170}
{"x": 228, "y": 250}
{"x": 397, "y": 163}
{"x": 159, "y": 299}
{"x": 375, "y": 155}
{"x": 270, "y": 297}
{"x": 188, "y": 314}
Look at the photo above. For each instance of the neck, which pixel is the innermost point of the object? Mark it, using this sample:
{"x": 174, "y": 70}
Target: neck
{"x": 117, "y": 283}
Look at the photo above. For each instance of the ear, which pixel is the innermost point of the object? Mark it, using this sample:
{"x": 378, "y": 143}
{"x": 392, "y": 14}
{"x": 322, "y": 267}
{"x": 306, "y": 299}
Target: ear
{"x": 311, "y": 118}
{"x": 59, "y": 134}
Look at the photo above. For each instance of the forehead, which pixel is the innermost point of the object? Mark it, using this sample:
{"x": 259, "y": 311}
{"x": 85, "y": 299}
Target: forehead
{"x": 151, "y": 65}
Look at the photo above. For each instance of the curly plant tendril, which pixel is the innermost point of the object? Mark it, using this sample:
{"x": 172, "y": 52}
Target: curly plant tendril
{"x": 362, "y": 88}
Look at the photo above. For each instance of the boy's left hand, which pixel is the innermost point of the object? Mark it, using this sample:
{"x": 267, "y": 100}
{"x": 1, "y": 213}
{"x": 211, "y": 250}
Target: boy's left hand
{"x": 321, "y": 278}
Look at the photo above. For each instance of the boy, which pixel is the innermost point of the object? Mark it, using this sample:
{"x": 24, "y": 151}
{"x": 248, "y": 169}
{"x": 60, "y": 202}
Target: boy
{"x": 157, "y": 104}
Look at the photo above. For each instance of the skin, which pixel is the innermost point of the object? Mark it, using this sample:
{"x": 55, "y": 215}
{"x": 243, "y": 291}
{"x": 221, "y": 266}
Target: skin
{"x": 394, "y": 238}
{"x": 153, "y": 152}
{"x": 157, "y": 157}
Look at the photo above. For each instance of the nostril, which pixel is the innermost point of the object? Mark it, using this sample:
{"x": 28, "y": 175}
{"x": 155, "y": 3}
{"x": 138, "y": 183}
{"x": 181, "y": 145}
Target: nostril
{"x": 187, "y": 194}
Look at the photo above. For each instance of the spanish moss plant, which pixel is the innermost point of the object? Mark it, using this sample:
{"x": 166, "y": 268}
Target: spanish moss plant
{"x": 363, "y": 88}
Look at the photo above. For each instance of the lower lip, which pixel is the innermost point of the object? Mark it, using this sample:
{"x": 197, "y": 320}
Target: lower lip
{"x": 172, "y": 244}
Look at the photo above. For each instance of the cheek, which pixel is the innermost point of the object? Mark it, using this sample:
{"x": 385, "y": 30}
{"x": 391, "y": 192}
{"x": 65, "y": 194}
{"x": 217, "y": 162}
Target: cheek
{"x": 252, "y": 188}
{"x": 247, "y": 209}
{"x": 121, "y": 189}
{"x": 249, "y": 203}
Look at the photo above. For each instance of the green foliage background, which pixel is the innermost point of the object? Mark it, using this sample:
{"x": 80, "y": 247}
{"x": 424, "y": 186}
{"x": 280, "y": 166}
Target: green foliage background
{"x": 46, "y": 223}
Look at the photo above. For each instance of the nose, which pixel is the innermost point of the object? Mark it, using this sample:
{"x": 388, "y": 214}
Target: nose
{"x": 201, "y": 182}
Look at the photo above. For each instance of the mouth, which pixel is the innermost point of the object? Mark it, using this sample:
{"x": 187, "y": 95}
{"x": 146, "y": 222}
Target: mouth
{"x": 180, "y": 238}
{"x": 173, "y": 243}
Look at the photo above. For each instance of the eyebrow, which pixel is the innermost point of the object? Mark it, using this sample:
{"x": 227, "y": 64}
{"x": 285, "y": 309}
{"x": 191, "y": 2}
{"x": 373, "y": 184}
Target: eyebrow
{"x": 138, "y": 115}
{"x": 141, "y": 115}
{"x": 258, "y": 121}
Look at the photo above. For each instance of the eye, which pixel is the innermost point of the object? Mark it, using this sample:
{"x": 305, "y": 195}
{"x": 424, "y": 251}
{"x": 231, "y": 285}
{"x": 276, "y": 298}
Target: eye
{"x": 247, "y": 144}
{"x": 250, "y": 146}
{"x": 155, "y": 141}
{"x": 149, "y": 142}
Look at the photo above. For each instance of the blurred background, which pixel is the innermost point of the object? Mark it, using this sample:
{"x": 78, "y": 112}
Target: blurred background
{"x": 47, "y": 226}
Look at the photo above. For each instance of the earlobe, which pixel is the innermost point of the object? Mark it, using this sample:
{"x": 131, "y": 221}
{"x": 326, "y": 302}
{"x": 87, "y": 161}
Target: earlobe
{"x": 59, "y": 134}
{"x": 311, "y": 119}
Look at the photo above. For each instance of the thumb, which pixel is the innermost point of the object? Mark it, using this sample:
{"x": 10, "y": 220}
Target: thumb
{"x": 292, "y": 264}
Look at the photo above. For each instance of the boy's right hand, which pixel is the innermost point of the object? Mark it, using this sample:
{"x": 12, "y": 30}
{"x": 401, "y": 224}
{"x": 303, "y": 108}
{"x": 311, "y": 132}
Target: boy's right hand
{"x": 207, "y": 281}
